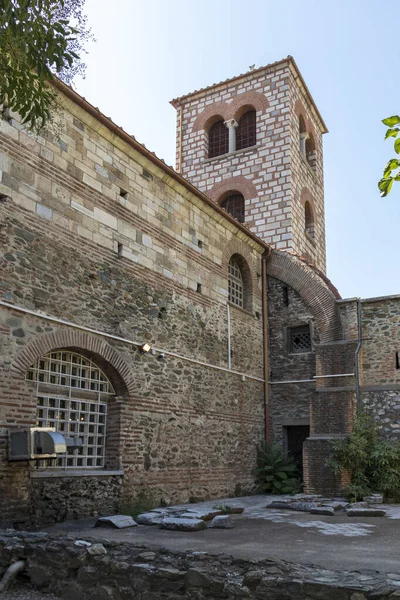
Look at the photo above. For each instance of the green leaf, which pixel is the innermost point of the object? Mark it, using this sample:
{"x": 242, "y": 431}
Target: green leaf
{"x": 392, "y": 133}
{"x": 397, "y": 146}
{"x": 385, "y": 185}
{"x": 391, "y": 121}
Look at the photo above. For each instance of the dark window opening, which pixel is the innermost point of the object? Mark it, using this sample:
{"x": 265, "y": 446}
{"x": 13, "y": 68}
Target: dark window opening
{"x": 218, "y": 139}
{"x": 234, "y": 205}
{"x": 397, "y": 361}
{"x": 123, "y": 194}
{"x": 198, "y": 289}
{"x": 246, "y": 131}
{"x": 309, "y": 220}
{"x": 119, "y": 250}
{"x": 300, "y": 340}
{"x": 285, "y": 291}
{"x": 199, "y": 243}
{"x": 147, "y": 175}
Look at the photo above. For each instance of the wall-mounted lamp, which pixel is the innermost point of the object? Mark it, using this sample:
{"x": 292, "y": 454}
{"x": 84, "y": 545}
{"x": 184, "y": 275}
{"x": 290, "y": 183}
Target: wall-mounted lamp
{"x": 144, "y": 348}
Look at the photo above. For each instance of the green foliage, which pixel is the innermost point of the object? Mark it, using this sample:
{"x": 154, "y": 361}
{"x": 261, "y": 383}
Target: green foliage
{"x": 36, "y": 41}
{"x": 276, "y": 473}
{"x": 143, "y": 502}
{"x": 391, "y": 171}
{"x": 372, "y": 461}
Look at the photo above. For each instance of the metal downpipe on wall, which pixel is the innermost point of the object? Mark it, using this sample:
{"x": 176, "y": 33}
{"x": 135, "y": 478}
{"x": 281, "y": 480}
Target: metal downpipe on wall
{"x": 264, "y": 293}
{"x": 356, "y": 354}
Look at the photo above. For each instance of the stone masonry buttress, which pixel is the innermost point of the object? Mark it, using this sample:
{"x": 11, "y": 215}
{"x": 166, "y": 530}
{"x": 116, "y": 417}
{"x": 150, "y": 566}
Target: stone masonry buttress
{"x": 254, "y": 145}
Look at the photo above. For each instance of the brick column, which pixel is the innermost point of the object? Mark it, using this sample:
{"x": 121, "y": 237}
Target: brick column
{"x": 331, "y": 416}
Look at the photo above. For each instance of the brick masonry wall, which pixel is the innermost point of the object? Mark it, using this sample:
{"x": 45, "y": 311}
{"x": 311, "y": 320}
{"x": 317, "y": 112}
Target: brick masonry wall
{"x": 74, "y": 248}
{"x": 274, "y": 203}
{"x": 288, "y": 402}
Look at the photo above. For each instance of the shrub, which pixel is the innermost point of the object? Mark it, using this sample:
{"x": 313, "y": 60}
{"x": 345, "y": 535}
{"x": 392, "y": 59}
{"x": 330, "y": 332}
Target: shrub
{"x": 276, "y": 473}
{"x": 372, "y": 461}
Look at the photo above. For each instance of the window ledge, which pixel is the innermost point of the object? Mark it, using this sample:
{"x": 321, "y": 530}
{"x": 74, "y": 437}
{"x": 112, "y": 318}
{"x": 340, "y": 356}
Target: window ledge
{"x": 243, "y": 310}
{"x": 55, "y": 473}
{"x": 230, "y": 154}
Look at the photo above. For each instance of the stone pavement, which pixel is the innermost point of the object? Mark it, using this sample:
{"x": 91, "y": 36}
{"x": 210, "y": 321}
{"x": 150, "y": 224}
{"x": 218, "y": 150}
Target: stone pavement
{"x": 335, "y": 542}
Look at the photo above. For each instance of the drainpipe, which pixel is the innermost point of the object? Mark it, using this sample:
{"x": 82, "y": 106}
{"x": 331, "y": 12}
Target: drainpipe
{"x": 264, "y": 294}
{"x": 357, "y": 352}
{"x": 228, "y": 314}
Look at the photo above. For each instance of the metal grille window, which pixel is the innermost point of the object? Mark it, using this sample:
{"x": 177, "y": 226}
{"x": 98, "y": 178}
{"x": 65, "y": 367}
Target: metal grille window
{"x": 246, "y": 131}
{"x": 300, "y": 340}
{"x": 218, "y": 139}
{"x": 234, "y": 205}
{"x": 235, "y": 283}
{"x": 72, "y": 394}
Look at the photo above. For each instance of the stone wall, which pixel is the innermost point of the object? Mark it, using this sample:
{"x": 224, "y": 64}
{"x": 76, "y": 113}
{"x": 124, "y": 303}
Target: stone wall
{"x": 95, "y": 233}
{"x": 123, "y": 570}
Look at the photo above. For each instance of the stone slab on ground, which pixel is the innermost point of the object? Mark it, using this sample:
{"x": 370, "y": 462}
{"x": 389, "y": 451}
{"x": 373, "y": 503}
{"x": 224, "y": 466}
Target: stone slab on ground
{"x": 204, "y": 515}
{"x": 149, "y": 518}
{"x": 374, "y": 499}
{"x": 366, "y": 512}
{"x": 222, "y": 522}
{"x": 116, "y": 521}
{"x": 323, "y": 510}
{"x": 177, "y": 524}
{"x": 296, "y": 506}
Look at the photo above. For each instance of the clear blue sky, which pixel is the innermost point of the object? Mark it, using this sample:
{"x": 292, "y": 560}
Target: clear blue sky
{"x": 148, "y": 52}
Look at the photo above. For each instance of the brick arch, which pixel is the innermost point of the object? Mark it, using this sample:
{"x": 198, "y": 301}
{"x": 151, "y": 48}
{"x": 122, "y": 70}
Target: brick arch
{"x": 235, "y": 247}
{"x": 312, "y": 288}
{"x": 95, "y": 347}
{"x": 233, "y": 184}
{"x": 255, "y": 100}
{"x": 218, "y": 109}
{"x": 300, "y": 111}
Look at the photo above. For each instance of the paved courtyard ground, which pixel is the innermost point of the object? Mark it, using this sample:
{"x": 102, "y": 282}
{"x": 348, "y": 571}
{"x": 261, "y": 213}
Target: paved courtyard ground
{"x": 339, "y": 542}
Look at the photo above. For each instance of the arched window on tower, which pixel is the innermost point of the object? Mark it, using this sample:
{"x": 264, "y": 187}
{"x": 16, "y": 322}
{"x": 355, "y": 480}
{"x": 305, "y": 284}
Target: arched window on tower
{"x": 309, "y": 220}
{"x": 218, "y": 139}
{"x": 235, "y": 283}
{"x": 302, "y": 134}
{"x": 234, "y": 205}
{"x": 310, "y": 152}
{"x": 71, "y": 396}
{"x": 246, "y": 130}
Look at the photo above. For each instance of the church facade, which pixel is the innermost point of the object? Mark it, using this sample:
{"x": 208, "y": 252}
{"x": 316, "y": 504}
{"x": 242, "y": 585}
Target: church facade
{"x": 165, "y": 322}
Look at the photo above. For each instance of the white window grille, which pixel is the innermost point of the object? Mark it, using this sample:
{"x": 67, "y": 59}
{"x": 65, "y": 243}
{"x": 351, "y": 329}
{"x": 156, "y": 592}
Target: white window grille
{"x": 72, "y": 394}
{"x": 235, "y": 283}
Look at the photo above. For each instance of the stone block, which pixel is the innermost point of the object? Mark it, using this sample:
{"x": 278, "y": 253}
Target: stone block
{"x": 116, "y": 521}
{"x": 222, "y": 522}
{"x": 178, "y": 524}
{"x": 366, "y": 512}
{"x": 149, "y": 519}
{"x": 374, "y": 499}
{"x": 323, "y": 510}
{"x": 204, "y": 515}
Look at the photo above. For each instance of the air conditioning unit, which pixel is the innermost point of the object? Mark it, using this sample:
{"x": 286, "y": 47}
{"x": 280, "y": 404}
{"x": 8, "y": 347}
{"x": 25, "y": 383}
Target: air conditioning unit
{"x": 35, "y": 442}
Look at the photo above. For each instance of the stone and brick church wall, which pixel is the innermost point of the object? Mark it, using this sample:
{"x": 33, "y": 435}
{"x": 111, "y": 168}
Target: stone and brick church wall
{"x": 380, "y": 362}
{"x": 94, "y": 233}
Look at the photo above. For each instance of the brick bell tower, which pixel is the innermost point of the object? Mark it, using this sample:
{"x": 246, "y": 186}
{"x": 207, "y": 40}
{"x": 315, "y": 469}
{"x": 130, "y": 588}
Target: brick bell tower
{"x": 253, "y": 143}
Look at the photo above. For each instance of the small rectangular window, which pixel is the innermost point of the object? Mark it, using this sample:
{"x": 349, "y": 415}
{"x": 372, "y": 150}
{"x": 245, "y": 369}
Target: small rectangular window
{"x": 299, "y": 339}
